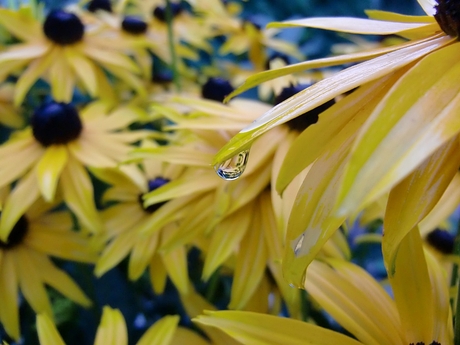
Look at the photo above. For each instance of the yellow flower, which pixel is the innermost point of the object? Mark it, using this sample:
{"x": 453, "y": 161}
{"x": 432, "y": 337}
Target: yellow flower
{"x": 112, "y": 331}
{"x": 25, "y": 263}
{"x": 419, "y": 314}
{"x": 9, "y": 115}
{"x": 58, "y": 145}
{"x": 65, "y": 50}
{"x": 397, "y": 133}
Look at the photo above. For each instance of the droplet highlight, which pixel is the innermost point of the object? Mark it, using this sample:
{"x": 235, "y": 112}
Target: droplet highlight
{"x": 234, "y": 167}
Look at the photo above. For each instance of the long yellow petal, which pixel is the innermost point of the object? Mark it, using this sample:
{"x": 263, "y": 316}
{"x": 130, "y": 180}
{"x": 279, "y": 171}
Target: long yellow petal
{"x": 261, "y": 329}
{"x": 62, "y": 79}
{"x": 112, "y": 328}
{"x": 415, "y": 196}
{"x": 20, "y": 24}
{"x": 47, "y": 332}
{"x": 141, "y": 254}
{"x": 325, "y": 90}
{"x": 416, "y": 117}
{"x": 84, "y": 69}
{"x": 9, "y": 312}
{"x": 413, "y": 292}
{"x": 162, "y": 331}
{"x": 49, "y": 169}
{"x": 78, "y": 193}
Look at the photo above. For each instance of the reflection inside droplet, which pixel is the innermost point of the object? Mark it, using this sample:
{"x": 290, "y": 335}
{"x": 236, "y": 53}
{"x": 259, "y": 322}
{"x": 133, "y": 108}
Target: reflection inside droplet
{"x": 299, "y": 245}
{"x": 232, "y": 168}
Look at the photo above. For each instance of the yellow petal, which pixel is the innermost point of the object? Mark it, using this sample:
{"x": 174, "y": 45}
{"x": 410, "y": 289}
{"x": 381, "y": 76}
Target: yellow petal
{"x": 415, "y": 196}
{"x": 77, "y": 190}
{"x": 250, "y": 264}
{"x": 162, "y": 331}
{"x": 351, "y": 25}
{"x": 84, "y": 69}
{"x": 186, "y": 336}
{"x": 20, "y": 199}
{"x": 262, "y": 329}
{"x": 49, "y": 169}
{"x": 325, "y": 90}
{"x": 412, "y": 290}
{"x": 158, "y": 274}
{"x": 355, "y": 300}
{"x": 175, "y": 263}
{"x": 402, "y": 132}
{"x": 47, "y": 332}
{"x": 312, "y": 221}
{"x": 397, "y": 17}
{"x": 114, "y": 252}
{"x": 20, "y": 24}
{"x": 9, "y": 313}
{"x": 62, "y": 79}
{"x": 225, "y": 239}
{"x": 141, "y": 254}
{"x": 112, "y": 328}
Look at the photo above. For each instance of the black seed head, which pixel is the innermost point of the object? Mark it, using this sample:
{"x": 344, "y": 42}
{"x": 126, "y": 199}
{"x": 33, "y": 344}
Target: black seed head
{"x": 441, "y": 240}
{"x": 103, "y": 5}
{"x": 56, "y": 123}
{"x": 275, "y": 56}
{"x": 160, "y": 11}
{"x": 307, "y": 119}
{"x": 448, "y": 16}
{"x": 216, "y": 89}
{"x": 154, "y": 184}
{"x": 63, "y": 27}
{"x": 134, "y": 25}
{"x": 162, "y": 77}
{"x": 17, "y": 234}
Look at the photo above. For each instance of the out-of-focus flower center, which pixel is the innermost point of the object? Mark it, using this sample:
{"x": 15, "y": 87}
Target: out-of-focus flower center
{"x": 63, "y": 27}
{"x": 56, "y": 123}
{"x": 441, "y": 240}
{"x": 307, "y": 119}
{"x": 17, "y": 234}
{"x": 160, "y": 11}
{"x": 153, "y": 184}
{"x": 422, "y": 343}
{"x": 134, "y": 25}
{"x": 103, "y": 5}
{"x": 216, "y": 89}
{"x": 448, "y": 16}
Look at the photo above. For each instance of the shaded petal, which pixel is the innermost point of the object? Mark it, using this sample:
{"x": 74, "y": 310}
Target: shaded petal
{"x": 162, "y": 331}
{"x": 62, "y": 79}
{"x": 49, "y": 169}
{"x": 327, "y": 89}
{"x": 415, "y": 196}
{"x": 225, "y": 239}
{"x": 158, "y": 275}
{"x": 84, "y": 69}
{"x": 175, "y": 263}
{"x": 20, "y": 24}
{"x": 413, "y": 292}
{"x": 141, "y": 254}
{"x": 112, "y": 328}
{"x": 114, "y": 252}
{"x": 9, "y": 312}
{"x": 47, "y": 332}
{"x": 355, "y": 300}
{"x": 428, "y": 6}
{"x": 250, "y": 263}
{"x": 262, "y": 329}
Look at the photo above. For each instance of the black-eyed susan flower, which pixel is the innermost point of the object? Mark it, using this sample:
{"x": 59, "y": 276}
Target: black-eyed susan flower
{"x": 419, "y": 313}
{"x": 25, "y": 256}
{"x": 57, "y": 146}
{"x": 397, "y": 133}
{"x": 112, "y": 330}
{"x": 66, "y": 52}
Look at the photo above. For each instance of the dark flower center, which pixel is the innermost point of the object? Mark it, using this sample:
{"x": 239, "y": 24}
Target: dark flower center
{"x": 307, "y": 119}
{"x": 134, "y": 25}
{"x": 441, "y": 240}
{"x": 160, "y": 11}
{"x": 422, "y": 343}
{"x": 216, "y": 89}
{"x": 17, "y": 234}
{"x": 56, "y": 123}
{"x": 63, "y": 27}
{"x": 156, "y": 183}
{"x": 448, "y": 16}
{"x": 103, "y": 5}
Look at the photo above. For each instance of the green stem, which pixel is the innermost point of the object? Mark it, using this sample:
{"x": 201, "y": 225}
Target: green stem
{"x": 172, "y": 49}
{"x": 455, "y": 281}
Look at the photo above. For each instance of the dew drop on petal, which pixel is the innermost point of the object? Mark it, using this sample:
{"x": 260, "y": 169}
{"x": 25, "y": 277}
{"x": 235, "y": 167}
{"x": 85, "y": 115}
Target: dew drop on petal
{"x": 234, "y": 167}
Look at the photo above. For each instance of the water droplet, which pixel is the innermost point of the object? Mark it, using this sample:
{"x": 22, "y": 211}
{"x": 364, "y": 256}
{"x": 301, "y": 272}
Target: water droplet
{"x": 232, "y": 168}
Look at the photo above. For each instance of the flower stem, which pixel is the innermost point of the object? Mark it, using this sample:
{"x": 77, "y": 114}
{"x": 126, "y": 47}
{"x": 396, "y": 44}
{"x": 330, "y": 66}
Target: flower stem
{"x": 172, "y": 49}
{"x": 455, "y": 280}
